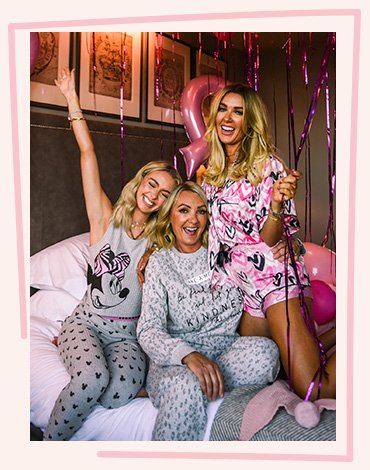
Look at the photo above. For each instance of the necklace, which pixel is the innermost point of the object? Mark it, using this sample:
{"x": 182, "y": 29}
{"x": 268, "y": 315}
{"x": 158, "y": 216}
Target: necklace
{"x": 139, "y": 226}
{"x": 236, "y": 159}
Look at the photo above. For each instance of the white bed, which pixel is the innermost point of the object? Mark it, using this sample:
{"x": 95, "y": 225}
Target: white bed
{"x": 59, "y": 272}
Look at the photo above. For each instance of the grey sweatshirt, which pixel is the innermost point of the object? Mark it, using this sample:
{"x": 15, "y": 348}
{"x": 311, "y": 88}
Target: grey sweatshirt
{"x": 181, "y": 312}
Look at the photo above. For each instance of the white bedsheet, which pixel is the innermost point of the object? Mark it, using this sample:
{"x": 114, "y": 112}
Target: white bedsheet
{"x": 133, "y": 422}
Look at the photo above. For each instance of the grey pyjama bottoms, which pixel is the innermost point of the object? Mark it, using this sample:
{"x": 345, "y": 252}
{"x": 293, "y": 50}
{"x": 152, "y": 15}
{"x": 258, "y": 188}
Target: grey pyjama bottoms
{"x": 106, "y": 364}
{"x": 176, "y": 392}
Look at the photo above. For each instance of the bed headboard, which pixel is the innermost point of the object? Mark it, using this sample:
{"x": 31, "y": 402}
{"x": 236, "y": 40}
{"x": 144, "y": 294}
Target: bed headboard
{"x": 57, "y": 206}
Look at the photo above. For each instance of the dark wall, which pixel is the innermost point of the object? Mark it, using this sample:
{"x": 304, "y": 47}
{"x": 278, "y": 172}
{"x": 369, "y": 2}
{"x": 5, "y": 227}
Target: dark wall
{"x": 57, "y": 204}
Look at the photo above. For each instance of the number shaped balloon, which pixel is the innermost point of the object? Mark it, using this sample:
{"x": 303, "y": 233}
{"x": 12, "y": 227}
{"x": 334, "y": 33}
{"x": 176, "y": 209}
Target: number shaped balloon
{"x": 192, "y": 99}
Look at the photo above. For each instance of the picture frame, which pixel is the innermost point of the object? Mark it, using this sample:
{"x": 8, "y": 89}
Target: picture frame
{"x": 168, "y": 74}
{"x": 100, "y": 87}
{"x": 53, "y": 56}
{"x": 208, "y": 65}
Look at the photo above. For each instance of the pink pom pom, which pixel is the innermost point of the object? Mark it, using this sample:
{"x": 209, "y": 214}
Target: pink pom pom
{"x": 307, "y": 414}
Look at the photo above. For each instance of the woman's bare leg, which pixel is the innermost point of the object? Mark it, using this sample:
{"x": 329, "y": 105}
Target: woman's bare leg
{"x": 253, "y": 326}
{"x": 304, "y": 350}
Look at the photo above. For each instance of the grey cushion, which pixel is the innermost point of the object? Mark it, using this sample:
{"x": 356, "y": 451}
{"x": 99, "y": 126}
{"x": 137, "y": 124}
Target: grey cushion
{"x": 283, "y": 427}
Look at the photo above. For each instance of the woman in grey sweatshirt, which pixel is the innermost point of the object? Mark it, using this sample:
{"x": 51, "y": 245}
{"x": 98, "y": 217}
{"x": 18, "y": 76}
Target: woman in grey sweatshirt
{"x": 188, "y": 329}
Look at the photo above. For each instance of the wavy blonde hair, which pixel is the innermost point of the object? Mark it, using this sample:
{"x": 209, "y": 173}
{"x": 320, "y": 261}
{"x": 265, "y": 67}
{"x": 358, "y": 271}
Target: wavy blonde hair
{"x": 126, "y": 204}
{"x": 163, "y": 234}
{"x": 255, "y": 148}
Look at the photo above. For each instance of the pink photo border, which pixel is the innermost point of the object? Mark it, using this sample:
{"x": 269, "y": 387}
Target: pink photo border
{"x": 356, "y": 15}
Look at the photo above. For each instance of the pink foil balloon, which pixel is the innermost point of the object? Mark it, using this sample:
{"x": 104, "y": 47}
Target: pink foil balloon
{"x": 34, "y": 50}
{"x": 191, "y": 110}
{"x": 194, "y": 155}
{"x": 320, "y": 263}
{"x": 323, "y": 303}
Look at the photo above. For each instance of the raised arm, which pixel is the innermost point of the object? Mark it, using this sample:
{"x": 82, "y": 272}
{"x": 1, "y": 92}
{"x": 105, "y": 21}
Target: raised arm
{"x": 98, "y": 206}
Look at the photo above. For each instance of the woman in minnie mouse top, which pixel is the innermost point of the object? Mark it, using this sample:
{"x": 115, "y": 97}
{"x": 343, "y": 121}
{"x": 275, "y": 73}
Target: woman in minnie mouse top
{"x": 98, "y": 343}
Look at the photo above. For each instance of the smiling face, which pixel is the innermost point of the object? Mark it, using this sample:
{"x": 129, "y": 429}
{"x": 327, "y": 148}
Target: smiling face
{"x": 188, "y": 219}
{"x": 229, "y": 122}
{"x": 152, "y": 192}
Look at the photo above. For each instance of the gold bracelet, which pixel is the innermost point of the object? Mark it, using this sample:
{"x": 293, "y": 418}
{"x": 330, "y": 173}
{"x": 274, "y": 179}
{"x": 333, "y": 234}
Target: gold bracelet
{"x": 274, "y": 217}
{"x": 71, "y": 119}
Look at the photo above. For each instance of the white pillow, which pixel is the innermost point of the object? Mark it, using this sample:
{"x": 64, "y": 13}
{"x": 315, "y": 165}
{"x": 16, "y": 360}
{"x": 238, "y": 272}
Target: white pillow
{"x": 52, "y": 305}
{"x": 62, "y": 266}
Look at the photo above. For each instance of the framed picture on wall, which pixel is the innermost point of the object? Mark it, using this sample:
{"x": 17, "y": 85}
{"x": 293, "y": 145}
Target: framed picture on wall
{"x": 168, "y": 74}
{"x": 109, "y": 63}
{"x": 52, "y": 57}
{"x": 209, "y": 65}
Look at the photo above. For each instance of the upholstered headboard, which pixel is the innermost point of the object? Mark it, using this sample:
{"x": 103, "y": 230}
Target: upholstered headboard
{"x": 57, "y": 205}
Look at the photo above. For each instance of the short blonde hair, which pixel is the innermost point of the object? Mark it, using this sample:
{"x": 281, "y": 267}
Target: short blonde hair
{"x": 255, "y": 148}
{"x": 126, "y": 204}
{"x": 163, "y": 234}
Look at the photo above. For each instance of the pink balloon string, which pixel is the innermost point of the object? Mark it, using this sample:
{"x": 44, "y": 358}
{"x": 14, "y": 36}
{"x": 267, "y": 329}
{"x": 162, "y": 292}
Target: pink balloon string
{"x": 315, "y": 95}
{"x": 215, "y": 57}
{"x": 308, "y": 192}
{"x": 174, "y": 110}
{"x": 256, "y": 62}
{"x": 162, "y": 142}
{"x": 225, "y": 58}
{"x": 331, "y": 171}
{"x": 122, "y": 92}
{"x": 304, "y": 59}
{"x": 245, "y": 46}
{"x": 174, "y": 134}
{"x": 200, "y": 47}
{"x": 250, "y": 65}
{"x": 157, "y": 65}
{"x": 319, "y": 83}
{"x": 94, "y": 69}
{"x": 307, "y": 319}
{"x": 291, "y": 127}
{"x": 121, "y": 133}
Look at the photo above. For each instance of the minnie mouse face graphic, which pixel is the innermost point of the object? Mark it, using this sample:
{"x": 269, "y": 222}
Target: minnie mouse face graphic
{"x": 106, "y": 281}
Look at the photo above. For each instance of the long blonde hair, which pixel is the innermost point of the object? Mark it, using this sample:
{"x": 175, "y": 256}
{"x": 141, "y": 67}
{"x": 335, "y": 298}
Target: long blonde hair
{"x": 255, "y": 148}
{"x": 126, "y": 204}
{"x": 163, "y": 233}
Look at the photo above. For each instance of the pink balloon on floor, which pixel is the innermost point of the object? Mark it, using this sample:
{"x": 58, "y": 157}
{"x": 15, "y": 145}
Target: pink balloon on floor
{"x": 34, "y": 50}
{"x": 324, "y": 302}
{"x": 320, "y": 263}
{"x": 191, "y": 110}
